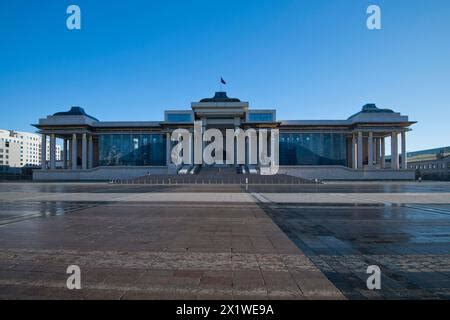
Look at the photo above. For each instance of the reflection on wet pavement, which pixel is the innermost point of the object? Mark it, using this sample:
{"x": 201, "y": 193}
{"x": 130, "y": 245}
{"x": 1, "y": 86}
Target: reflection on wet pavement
{"x": 11, "y": 212}
{"x": 352, "y": 188}
{"x": 404, "y": 187}
{"x": 411, "y": 245}
{"x": 111, "y": 188}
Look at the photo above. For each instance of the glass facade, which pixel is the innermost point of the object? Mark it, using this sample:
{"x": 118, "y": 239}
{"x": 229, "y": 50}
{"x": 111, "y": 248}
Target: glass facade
{"x": 313, "y": 149}
{"x": 252, "y": 116}
{"x": 132, "y": 150}
{"x": 150, "y": 149}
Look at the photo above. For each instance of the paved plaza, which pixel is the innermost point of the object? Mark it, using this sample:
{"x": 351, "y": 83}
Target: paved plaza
{"x": 225, "y": 241}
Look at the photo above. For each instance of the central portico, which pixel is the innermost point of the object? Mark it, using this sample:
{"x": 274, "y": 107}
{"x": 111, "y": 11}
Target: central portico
{"x": 219, "y": 112}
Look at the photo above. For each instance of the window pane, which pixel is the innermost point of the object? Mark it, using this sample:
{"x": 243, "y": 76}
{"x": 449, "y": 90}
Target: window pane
{"x": 179, "y": 117}
{"x": 132, "y": 150}
{"x": 260, "y": 117}
{"x": 313, "y": 149}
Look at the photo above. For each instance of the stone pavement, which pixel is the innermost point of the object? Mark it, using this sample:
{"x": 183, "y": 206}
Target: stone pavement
{"x": 157, "y": 251}
{"x": 410, "y": 244}
{"x": 225, "y": 241}
{"x": 233, "y": 197}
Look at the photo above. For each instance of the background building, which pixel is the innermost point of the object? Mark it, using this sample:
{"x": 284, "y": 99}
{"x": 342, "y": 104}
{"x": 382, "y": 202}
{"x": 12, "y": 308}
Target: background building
{"x": 431, "y": 164}
{"x": 22, "y": 149}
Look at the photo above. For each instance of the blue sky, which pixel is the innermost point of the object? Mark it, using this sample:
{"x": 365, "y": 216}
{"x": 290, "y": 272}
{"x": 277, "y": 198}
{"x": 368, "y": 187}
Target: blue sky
{"x": 308, "y": 59}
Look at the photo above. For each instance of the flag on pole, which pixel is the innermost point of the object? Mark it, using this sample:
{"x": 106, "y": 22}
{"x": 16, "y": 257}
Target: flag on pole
{"x": 222, "y": 81}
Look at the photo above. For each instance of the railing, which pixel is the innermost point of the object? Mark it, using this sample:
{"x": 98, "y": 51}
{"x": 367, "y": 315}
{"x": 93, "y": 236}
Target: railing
{"x": 240, "y": 179}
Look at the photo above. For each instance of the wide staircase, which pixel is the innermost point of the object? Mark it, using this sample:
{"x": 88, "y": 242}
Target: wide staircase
{"x": 216, "y": 175}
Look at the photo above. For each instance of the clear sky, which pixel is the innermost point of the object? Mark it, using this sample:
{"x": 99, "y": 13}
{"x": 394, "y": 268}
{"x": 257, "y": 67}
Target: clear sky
{"x": 308, "y": 59}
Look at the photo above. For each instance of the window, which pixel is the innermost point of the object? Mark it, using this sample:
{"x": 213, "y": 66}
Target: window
{"x": 262, "y": 116}
{"x": 179, "y": 117}
{"x": 313, "y": 149}
{"x": 132, "y": 150}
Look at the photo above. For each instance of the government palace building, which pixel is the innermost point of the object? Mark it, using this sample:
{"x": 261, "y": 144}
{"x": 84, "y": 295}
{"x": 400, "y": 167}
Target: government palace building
{"x": 349, "y": 149}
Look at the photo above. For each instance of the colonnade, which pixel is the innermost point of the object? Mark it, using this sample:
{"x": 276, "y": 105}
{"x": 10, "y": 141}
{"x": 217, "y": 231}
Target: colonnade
{"x": 376, "y": 151}
{"x": 70, "y": 151}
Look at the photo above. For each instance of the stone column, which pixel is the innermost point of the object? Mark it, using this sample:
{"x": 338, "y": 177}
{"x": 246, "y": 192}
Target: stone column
{"x": 204, "y": 124}
{"x": 69, "y": 153}
{"x": 235, "y": 156}
{"x": 84, "y": 151}
{"x": 44, "y": 151}
{"x": 377, "y": 151}
{"x": 90, "y": 152}
{"x": 197, "y": 143}
{"x": 360, "y": 150}
{"x": 404, "y": 155}
{"x": 383, "y": 154}
{"x": 204, "y": 142}
{"x": 64, "y": 153}
{"x": 354, "y": 160}
{"x": 191, "y": 143}
{"x": 370, "y": 150}
{"x": 394, "y": 151}
{"x": 52, "y": 151}
{"x": 168, "y": 149}
{"x": 74, "y": 148}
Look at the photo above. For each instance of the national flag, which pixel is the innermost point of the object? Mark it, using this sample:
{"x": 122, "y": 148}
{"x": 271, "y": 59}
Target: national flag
{"x": 222, "y": 81}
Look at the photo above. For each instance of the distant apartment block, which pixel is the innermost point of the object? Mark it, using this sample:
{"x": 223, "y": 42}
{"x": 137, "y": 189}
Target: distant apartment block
{"x": 22, "y": 149}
